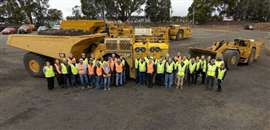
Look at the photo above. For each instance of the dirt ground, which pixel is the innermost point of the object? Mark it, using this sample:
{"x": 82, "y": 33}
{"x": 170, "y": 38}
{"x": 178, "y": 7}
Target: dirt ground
{"x": 25, "y": 102}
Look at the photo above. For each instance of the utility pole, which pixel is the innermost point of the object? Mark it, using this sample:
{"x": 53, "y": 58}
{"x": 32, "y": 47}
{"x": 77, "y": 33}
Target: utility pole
{"x": 193, "y": 15}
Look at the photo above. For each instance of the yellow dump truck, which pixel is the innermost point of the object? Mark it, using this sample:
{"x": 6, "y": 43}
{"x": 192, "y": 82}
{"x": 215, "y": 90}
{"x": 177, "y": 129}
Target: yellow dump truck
{"x": 42, "y": 48}
{"x": 178, "y": 32}
{"x": 234, "y": 52}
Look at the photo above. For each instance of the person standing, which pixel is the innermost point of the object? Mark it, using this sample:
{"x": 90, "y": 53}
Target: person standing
{"x": 181, "y": 71}
{"x": 219, "y": 62}
{"x": 49, "y": 75}
{"x": 169, "y": 69}
{"x": 198, "y": 69}
{"x": 85, "y": 59}
{"x": 99, "y": 75}
{"x": 106, "y": 76}
{"x": 142, "y": 71}
{"x": 222, "y": 71}
{"x": 150, "y": 73}
{"x": 160, "y": 70}
{"x": 119, "y": 73}
{"x": 211, "y": 74}
{"x": 74, "y": 74}
{"x": 82, "y": 67}
{"x": 58, "y": 73}
{"x": 64, "y": 71}
{"x": 91, "y": 74}
{"x": 124, "y": 73}
{"x": 111, "y": 63}
{"x": 203, "y": 68}
{"x": 191, "y": 72}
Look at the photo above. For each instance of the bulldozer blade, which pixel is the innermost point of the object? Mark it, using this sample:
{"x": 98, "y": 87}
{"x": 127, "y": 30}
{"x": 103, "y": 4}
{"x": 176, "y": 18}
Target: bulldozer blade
{"x": 194, "y": 52}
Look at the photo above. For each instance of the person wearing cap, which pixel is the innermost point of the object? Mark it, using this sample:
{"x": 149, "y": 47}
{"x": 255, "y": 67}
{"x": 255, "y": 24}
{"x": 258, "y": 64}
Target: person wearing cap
{"x": 82, "y": 67}
{"x": 150, "y": 70}
{"x": 211, "y": 74}
{"x": 49, "y": 75}
{"x": 106, "y": 76}
{"x": 222, "y": 71}
{"x": 119, "y": 73}
{"x": 169, "y": 70}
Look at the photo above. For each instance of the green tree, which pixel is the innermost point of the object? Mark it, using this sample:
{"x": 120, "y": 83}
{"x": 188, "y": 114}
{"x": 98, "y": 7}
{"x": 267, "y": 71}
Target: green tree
{"x": 55, "y": 14}
{"x": 76, "y": 12}
{"x": 158, "y": 10}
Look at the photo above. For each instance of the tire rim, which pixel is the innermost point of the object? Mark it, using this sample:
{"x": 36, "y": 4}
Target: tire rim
{"x": 233, "y": 60}
{"x": 34, "y": 66}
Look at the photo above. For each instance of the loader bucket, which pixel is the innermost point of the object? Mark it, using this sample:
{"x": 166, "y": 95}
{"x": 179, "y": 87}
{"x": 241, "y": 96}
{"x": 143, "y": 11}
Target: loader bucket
{"x": 200, "y": 52}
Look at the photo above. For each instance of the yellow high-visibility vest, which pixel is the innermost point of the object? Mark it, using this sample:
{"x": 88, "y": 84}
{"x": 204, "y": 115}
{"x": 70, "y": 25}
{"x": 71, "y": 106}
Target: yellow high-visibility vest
{"x": 198, "y": 65}
{"x": 49, "y": 72}
{"x": 203, "y": 65}
{"x": 219, "y": 63}
{"x": 211, "y": 70}
{"x": 192, "y": 67}
{"x": 64, "y": 68}
{"x": 221, "y": 73}
{"x": 186, "y": 62}
{"x": 142, "y": 66}
{"x": 181, "y": 70}
{"x": 85, "y": 61}
{"x": 74, "y": 69}
{"x": 160, "y": 68}
{"x": 169, "y": 67}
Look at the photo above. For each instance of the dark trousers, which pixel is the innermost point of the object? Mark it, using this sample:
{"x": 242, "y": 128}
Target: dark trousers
{"x": 137, "y": 76}
{"x": 203, "y": 77}
{"x": 113, "y": 77}
{"x": 160, "y": 79}
{"x": 191, "y": 78}
{"x": 197, "y": 75}
{"x": 50, "y": 83}
{"x": 210, "y": 80}
{"x": 219, "y": 85}
{"x": 142, "y": 78}
{"x": 73, "y": 80}
{"x": 59, "y": 79}
{"x": 65, "y": 80}
{"x": 149, "y": 80}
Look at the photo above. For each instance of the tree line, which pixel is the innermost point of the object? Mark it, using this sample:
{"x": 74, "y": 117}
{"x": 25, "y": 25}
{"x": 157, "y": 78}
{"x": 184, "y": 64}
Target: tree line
{"x": 240, "y": 10}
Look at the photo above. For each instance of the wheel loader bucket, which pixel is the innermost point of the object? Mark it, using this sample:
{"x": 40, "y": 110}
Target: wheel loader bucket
{"x": 53, "y": 46}
{"x": 200, "y": 52}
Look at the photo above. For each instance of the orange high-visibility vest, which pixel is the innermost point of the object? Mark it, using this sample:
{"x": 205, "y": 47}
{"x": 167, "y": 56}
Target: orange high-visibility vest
{"x": 57, "y": 67}
{"x": 150, "y": 68}
{"x": 99, "y": 71}
{"x": 91, "y": 69}
{"x": 119, "y": 68}
{"x": 81, "y": 69}
{"x": 112, "y": 64}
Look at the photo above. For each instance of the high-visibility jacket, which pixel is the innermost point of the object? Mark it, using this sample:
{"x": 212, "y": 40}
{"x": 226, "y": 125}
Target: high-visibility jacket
{"x": 112, "y": 64}
{"x": 192, "y": 68}
{"x": 169, "y": 67}
{"x": 74, "y": 69}
{"x": 91, "y": 69}
{"x": 150, "y": 68}
{"x": 142, "y": 66}
{"x": 198, "y": 65}
{"x": 211, "y": 71}
{"x": 160, "y": 68}
{"x": 48, "y": 71}
{"x": 81, "y": 68}
{"x": 204, "y": 65}
{"x": 99, "y": 71}
{"x": 137, "y": 63}
{"x": 219, "y": 63}
{"x": 221, "y": 73}
{"x": 118, "y": 68}
{"x": 64, "y": 68}
{"x": 181, "y": 70}
{"x": 58, "y": 68}
{"x": 85, "y": 61}
{"x": 186, "y": 62}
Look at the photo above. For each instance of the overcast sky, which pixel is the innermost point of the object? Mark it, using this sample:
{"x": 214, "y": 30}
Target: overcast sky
{"x": 179, "y": 7}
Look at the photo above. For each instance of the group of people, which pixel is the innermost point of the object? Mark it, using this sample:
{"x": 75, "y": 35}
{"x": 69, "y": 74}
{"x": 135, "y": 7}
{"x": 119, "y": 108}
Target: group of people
{"x": 89, "y": 72}
{"x": 86, "y": 72}
{"x": 167, "y": 71}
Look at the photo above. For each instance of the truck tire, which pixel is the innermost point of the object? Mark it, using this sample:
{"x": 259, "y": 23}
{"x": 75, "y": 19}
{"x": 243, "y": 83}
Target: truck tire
{"x": 231, "y": 58}
{"x": 34, "y": 64}
{"x": 252, "y": 56}
{"x": 178, "y": 36}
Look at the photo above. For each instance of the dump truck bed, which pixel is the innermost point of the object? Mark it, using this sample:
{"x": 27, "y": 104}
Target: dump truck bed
{"x": 52, "y": 46}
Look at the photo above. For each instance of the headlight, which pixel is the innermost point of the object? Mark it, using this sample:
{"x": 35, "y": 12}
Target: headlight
{"x": 157, "y": 49}
{"x": 137, "y": 49}
{"x": 143, "y": 49}
{"x": 152, "y": 49}
{"x": 140, "y": 49}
